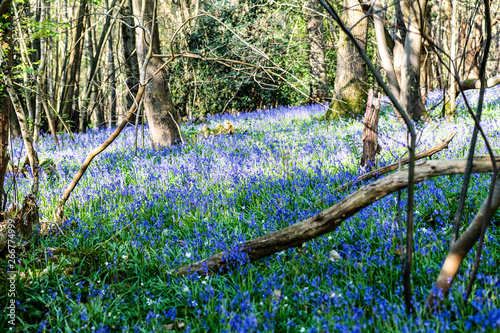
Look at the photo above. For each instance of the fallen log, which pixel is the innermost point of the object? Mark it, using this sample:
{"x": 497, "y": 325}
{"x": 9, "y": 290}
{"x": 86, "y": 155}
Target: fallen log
{"x": 473, "y": 84}
{"x": 332, "y": 217}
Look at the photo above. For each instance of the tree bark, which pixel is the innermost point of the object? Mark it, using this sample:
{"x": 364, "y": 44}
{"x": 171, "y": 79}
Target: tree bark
{"x": 414, "y": 13}
{"x": 67, "y": 110}
{"x": 426, "y": 56}
{"x": 158, "y": 107}
{"x": 450, "y": 102}
{"x": 40, "y": 78}
{"x": 403, "y": 72}
{"x": 385, "y": 58}
{"x": 473, "y": 48}
{"x": 331, "y": 218}
{"x": 317, "y": 66}
{"x": 112, "y": 80}
{"x": 131, "y": 65}
{"x": 350, "y": 92}
{"x": 5, "y": 105}
{"x": 370, "y": 131}
{"x": 23, "y": 123}
{"x": 90, "y": 93}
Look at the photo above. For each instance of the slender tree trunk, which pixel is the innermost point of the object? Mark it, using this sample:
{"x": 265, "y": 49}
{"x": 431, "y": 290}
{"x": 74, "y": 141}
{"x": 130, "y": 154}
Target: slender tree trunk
{"x": 26, "y": 60}
{"x": 99, "y": 99}
{"x": 71, "y": 84}
{"x": 23, "y": 123}
{"x": 5, "y": 104}
{"x": 460, "y": 248}
{"x": 403, "y": 73}
{"x": 157, "y": 101}
{"x": 40, "y": 77}
{"x": 497, "y": 62}
{"x": 131, "y": 66}
{"x": 473, "y": 48}
{"x": 438, "y": 65}
{"x": 90, "y": 94}
{"x": 90, "y": 80}
{"x": 317, "y": 65}
{"x": 399, "y": 36}
{"x": 60, "y": 68}
{"x": 450, "y": 103}
{"x": 414, "y": 13}
{"x": 350, "y": 76}
{"x": 426, "y": 56}
{"x": 112, "y": 80}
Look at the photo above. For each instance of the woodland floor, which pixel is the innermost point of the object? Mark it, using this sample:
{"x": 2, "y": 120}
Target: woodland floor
{"x": 133, "y": 219}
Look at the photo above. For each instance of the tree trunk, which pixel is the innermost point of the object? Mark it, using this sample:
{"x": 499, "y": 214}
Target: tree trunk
{"x": 414, "y": 13}
{"x": 350, "y": 76}
{"x": 317, "y": 65}
{"x": 89, "y": 92}
{"x": 26, "y": 60}
{"x": 403, "y": 72}
{"x": 41, "y": 79}
{"x": 399, "y": 36}
{"x": 112, "y": 80}
{"x": 470, "y": 45}
{"x": 426, "y": 57}
{"x": 5, "y": 106}
{"x": 158, "y": 107}
{"x": 131, "y": 66}
{"x": 67, "y": 110}
{"x": 450, "y": 102}
{"x": 99, "y": 101}
{"x": 370, "y": 143}
{"x": 23, "y": 123}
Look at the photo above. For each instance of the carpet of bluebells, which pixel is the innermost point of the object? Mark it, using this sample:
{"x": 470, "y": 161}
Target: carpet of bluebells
{"x": 133, "y": 219}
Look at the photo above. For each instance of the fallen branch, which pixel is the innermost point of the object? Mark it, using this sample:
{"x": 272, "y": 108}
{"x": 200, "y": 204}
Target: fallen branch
{"x": 476, "y": 83}
{"x": 459, "y": 249}
{"x": 94, "y": 153}
{"x": 391, "y": 167}
{"x": 331, "y": 218}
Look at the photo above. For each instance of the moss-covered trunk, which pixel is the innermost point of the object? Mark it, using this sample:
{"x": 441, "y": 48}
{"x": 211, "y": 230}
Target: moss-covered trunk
{"x": 350, "y": 92}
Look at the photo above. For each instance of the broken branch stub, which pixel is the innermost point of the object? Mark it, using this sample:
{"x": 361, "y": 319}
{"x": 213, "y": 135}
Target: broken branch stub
{"x": 391, "y": 167}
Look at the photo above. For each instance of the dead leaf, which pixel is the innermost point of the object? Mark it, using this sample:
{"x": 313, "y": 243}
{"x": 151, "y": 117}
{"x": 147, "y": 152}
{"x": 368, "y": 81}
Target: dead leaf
{"x": 277, "y": 294}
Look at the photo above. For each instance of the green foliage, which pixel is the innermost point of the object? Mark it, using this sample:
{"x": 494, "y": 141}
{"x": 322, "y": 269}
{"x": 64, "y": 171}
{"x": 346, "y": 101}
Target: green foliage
{"x": 242, "y": 88}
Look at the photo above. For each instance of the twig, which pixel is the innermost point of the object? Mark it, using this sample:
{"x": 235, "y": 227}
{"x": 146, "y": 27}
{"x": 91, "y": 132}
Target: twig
{"x": 112, "y": 237}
